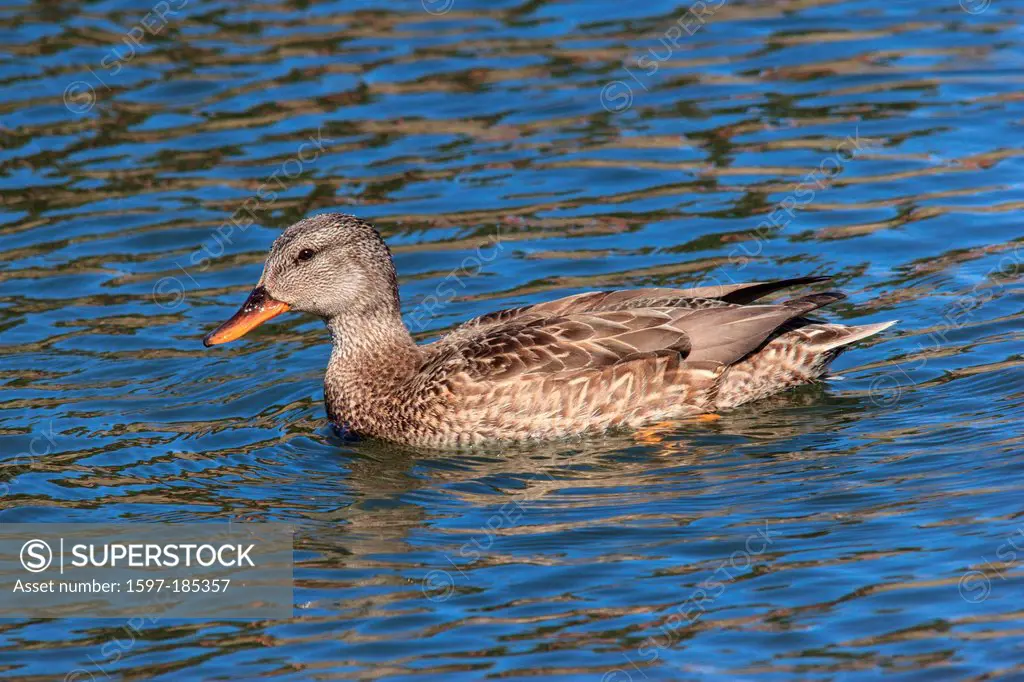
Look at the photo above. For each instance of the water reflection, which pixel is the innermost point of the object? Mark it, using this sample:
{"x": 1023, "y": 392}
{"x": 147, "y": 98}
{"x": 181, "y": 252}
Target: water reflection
{"x": 148, "y": 159}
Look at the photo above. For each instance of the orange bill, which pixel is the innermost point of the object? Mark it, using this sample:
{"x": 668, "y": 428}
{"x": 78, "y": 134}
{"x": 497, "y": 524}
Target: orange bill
{"x": 256, "y": 310}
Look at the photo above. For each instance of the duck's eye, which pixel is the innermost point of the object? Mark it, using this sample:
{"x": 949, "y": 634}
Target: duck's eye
{"x": 305, "y": 255}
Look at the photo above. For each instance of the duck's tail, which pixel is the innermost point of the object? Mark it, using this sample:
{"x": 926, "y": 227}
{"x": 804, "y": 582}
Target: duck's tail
{"x": 836, "y": 337}
{"x": 796, "y": 356}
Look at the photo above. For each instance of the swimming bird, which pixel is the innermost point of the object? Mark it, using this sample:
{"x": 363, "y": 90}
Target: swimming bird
{"x": 585, "y": 363}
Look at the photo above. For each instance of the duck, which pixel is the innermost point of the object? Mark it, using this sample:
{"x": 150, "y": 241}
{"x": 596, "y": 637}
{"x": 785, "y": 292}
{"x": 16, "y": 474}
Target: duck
{"x": 586, "y": 363}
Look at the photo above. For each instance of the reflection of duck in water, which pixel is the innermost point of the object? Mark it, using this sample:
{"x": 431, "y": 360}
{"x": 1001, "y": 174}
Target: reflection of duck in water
{"x": 588, "y": 362}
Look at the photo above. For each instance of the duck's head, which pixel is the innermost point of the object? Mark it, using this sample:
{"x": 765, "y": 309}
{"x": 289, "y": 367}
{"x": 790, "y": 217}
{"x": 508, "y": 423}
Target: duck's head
{"x": 330, "y": 265}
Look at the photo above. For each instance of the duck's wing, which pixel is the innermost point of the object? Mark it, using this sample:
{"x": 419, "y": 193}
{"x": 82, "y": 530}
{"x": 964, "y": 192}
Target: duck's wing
{"x": 747, "y": 292}
{"x": 564, "y": 346}
{"x": 633, "y": 299}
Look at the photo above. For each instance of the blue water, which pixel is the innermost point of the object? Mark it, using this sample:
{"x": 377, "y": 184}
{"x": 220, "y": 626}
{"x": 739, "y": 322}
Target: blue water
{"x": 530, "y": 150}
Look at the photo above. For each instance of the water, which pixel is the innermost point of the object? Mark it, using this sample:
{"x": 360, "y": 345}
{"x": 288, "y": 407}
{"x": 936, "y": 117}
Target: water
{"x": 513, "y": 153}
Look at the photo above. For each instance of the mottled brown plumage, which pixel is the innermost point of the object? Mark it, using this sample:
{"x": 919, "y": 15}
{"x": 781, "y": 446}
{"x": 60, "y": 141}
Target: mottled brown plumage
{"x": 578, "y": 364}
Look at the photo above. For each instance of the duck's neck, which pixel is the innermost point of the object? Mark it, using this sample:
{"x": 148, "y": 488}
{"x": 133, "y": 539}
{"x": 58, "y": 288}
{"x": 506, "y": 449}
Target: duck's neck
{"x": 373, "y": 355}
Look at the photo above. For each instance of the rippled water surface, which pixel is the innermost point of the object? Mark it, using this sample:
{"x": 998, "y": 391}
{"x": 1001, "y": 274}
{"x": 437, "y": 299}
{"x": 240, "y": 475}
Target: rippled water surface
{"x": 511, "y": 153}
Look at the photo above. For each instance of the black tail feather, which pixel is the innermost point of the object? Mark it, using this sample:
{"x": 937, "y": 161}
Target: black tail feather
{"x": 806, "y": 304}
{"x": 757, "y": 290}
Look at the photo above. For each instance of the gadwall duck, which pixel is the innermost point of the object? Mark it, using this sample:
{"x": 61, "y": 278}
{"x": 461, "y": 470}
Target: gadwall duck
{"x": 584, "y": 363}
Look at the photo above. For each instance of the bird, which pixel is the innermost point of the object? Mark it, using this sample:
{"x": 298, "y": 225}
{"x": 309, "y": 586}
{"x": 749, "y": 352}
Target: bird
{"x": 587, "y": 363}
